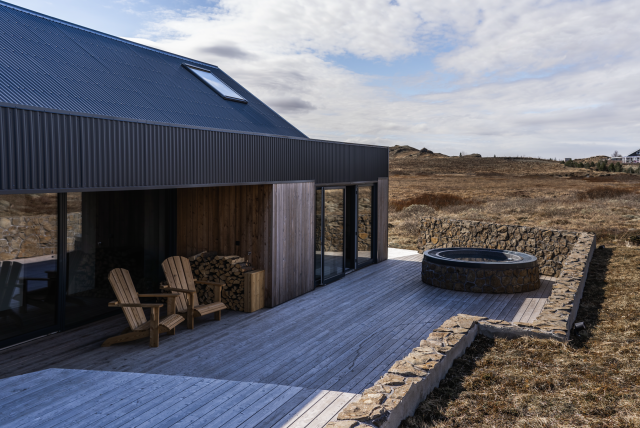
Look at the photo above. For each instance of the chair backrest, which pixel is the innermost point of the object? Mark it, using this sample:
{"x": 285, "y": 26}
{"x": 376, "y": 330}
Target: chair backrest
{"x": 126, "y": 293}
{"x": 177, "y": 270}
{"x": 9, "y": 276}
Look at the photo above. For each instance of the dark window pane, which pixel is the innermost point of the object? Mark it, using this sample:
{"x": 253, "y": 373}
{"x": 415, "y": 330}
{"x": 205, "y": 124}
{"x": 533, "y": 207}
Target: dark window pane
{"x": 28, "y": 263}
{"x": 365, "y": 225}
{"x": 105, "y": 230}
{"x": 333, "y": 232}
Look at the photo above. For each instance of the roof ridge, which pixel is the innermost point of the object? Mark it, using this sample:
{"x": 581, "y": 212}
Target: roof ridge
{"x": 99, "y": 33}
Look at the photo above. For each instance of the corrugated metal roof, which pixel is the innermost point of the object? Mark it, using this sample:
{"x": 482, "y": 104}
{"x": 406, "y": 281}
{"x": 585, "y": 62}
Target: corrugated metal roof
{"x": 48, "y": 63}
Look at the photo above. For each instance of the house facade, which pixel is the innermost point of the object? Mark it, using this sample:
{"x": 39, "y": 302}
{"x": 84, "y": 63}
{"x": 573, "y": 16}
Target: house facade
{"x": 114, "y": 154}
{"x": 632, "y": 158}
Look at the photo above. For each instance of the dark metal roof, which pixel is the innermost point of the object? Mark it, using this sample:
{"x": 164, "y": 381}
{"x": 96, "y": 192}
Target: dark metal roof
{"x": 52, "y": 64}
{"x": 636, "y": 153}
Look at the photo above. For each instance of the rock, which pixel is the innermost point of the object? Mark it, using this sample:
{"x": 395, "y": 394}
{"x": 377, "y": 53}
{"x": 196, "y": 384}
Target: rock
{"x": 404, "y": 368}
{"x": 361, "y": 412}
{"x": 342, "y": 424}
{"x": 377, "y": 389}
{"x": 391, "y": 379}
{"x": 373, "y": 399}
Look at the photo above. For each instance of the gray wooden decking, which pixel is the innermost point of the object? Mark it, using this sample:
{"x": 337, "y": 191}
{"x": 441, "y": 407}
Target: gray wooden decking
{"x": 299, "y": 363}
{"x": 87, "y": 398}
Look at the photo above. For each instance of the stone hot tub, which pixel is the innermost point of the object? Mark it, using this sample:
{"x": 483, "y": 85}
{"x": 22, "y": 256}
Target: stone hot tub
{"x": 480, "y": 270}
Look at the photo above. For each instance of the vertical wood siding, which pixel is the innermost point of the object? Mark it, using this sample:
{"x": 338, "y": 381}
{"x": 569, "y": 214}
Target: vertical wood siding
{"x": 292, "y": 243}
{"x": 215, "y": 218}
{"x": 274, "y": 222}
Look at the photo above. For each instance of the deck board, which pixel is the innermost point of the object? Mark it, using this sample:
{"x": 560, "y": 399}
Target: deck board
{"x": 293, "y": 365}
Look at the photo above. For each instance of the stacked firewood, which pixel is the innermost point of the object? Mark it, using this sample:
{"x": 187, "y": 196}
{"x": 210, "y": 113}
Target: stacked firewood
{"x": 229, "y": 270}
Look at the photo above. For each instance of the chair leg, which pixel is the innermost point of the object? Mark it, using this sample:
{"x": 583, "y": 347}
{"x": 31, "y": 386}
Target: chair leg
{"x": 171, "y": 309}
{"x": 154, "y": 334}
{"x": 217, "y": 316}
{"x": 190, "y": 323}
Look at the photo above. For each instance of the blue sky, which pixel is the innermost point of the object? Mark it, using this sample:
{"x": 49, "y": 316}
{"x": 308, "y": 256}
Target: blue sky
{"x": 534, "y": 77}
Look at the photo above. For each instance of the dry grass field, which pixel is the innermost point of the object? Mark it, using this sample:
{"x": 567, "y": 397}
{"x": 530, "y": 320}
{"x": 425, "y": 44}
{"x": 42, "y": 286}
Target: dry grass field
{"x": 529, "y": 192}
{"x": 592, "y": 381}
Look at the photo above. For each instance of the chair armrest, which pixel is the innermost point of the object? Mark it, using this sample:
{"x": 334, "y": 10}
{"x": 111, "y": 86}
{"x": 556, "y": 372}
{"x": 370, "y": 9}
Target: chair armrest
{"x": 217, "y": 284}
{"x": 180, "y": 290}
{"x": 115, "y": 304}
{"x": 159, "y": 295}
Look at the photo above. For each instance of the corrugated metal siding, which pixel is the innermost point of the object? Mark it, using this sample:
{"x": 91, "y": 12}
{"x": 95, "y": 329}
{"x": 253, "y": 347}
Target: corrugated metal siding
{"x": 50, "y": 64}
{"x": 56, "y": 152}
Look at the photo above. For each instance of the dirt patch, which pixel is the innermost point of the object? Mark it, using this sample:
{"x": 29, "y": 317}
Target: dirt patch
{"x": 594, "y": 380}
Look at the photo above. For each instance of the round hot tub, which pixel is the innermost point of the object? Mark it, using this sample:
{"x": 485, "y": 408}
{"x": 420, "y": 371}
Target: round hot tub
{"x": 480, "y": 270}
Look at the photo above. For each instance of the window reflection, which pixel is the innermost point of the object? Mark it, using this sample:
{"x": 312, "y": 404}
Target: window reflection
{"x": 365, "y": 224}
{"x": 28, "y": 262}
{"x": 333, "y": 232}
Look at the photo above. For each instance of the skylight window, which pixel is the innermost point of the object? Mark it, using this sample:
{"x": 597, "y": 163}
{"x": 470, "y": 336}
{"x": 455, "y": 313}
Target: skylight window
{"x": 216, "y": 84}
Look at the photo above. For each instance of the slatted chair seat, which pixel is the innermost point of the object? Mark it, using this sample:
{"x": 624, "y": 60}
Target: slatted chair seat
{"x": 177, "y": 270}
{"x": 139, "y": 326}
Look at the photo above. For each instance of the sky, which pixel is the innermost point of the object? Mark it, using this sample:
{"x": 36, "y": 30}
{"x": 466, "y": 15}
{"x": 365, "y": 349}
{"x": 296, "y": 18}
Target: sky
{"x": 541, "y": 78}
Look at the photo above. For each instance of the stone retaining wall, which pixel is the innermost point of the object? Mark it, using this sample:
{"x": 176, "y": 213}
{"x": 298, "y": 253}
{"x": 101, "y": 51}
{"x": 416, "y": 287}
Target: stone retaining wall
{"x": 551, "y": 247}
{"x": 409, "y": 381}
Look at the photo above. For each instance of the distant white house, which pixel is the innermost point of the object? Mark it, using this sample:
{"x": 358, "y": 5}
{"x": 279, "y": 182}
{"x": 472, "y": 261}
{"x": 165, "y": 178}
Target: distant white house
{"x": 632, "y": 158}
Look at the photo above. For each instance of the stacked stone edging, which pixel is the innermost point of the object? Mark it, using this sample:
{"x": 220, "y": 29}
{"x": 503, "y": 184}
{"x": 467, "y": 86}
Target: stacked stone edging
{"x": 409, "y": 381}
{"x": 551, "y": 247}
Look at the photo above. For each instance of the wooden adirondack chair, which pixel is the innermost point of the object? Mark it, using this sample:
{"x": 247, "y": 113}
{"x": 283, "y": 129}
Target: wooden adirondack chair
{"x": 139, "y": 327}
{"x": 178, "y": 272}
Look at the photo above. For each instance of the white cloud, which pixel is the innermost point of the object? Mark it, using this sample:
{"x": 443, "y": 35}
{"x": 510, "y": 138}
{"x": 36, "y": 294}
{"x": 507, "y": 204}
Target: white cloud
{"x": 548, "y": 78}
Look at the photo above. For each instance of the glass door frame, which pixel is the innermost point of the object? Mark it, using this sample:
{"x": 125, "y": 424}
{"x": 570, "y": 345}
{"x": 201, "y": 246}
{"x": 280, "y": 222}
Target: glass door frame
{"x": 353, "y": 239}
{"x": 323, "y": 280}
{"x": 374, "y": 223}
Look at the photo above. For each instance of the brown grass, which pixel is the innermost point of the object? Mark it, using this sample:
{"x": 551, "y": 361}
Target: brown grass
{"x": 435, "y": 200}
{"x": 514, "y": 191}
{"x": 594, "y": 381}
{"x": 605, "y": 192}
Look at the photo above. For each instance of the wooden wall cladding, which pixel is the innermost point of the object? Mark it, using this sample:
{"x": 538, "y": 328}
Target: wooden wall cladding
{"x": 383, "y": 219}
{"x": 292, "y": 244}
{"x": 273, "y": 222}
{"x": 230, "y": 220}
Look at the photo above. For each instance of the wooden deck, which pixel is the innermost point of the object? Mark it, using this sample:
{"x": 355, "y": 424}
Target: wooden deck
{"x": 294, "y": 365}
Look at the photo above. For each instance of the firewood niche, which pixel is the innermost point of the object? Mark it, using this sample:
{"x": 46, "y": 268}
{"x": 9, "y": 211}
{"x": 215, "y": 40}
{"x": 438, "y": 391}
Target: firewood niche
{"x": 243, "y": 289}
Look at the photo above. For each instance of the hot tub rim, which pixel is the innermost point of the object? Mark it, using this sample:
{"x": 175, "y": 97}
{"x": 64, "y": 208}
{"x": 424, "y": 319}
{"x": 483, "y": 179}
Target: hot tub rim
{"x": 528, "y": 261}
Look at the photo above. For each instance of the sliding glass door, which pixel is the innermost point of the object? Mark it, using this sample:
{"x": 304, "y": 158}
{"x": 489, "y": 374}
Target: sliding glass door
{"x": 333, "y": 248}
{"x": 344, "y": 232}
{"x": 365, "y": 225}
{"x": 329, "y": 234}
